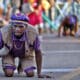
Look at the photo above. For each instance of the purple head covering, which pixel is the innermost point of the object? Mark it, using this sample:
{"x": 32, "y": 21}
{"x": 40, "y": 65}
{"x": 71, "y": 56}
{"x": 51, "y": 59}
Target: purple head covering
{"x": 19, "y": 18}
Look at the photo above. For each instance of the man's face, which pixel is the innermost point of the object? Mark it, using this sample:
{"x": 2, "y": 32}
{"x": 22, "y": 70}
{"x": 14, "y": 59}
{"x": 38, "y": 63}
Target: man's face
{"x": 18, "y": 29}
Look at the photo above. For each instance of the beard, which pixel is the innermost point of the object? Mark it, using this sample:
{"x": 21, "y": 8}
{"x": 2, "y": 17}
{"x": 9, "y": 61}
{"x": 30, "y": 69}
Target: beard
{"x": 18, "y": 35}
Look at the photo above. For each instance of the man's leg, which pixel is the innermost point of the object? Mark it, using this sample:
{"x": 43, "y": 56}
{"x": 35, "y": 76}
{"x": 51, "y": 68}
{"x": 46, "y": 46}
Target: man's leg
{"x": 8, "y": 65}
{"x": 72, "y": 30}
{"x": 28, "y": 66}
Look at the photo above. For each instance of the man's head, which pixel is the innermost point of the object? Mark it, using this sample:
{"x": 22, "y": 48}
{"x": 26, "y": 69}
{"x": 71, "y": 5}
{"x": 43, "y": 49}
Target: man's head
{"x": 19, "y": 23}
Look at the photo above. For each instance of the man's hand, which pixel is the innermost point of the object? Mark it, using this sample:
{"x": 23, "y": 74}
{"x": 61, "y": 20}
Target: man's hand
{"x": 43, "y": 76}
{"x": 38, "y": 56}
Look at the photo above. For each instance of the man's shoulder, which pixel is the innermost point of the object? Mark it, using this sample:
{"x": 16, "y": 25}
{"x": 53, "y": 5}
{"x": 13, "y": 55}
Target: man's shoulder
{"x": 31, "y": 29}
{"x": 31, "y": 33}
{"x": 6, "y": 28}
{"x": 6, "y": 33}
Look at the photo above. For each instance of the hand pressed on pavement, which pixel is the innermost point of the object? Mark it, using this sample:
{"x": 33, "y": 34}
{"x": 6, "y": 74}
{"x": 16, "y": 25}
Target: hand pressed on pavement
{"x": 44, "y": 76}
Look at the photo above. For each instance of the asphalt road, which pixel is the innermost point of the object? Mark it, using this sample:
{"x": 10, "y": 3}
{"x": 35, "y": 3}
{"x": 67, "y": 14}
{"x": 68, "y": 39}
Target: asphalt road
{"x": 59, "y": 53}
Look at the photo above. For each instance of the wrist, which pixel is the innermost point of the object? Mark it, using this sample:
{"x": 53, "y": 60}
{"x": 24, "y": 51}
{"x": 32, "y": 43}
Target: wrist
{"x": 39, "y": 74}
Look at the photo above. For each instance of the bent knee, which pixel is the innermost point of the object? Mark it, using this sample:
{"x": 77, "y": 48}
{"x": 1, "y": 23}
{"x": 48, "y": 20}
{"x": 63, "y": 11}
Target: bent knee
{"x": 30, "y": 71}
{"x": 8, "y": 72}
{"x": 30, "y": 74}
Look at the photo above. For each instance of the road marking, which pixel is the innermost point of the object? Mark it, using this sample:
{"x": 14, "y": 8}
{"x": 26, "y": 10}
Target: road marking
{"x": 62, "y": 51}
{"x": 57, "y": 70}
{"x": 61, "y": 41}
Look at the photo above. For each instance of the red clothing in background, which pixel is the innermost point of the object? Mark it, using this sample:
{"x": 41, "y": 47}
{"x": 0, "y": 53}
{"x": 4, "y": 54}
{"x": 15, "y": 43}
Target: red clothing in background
{"x": 36, "y": 16}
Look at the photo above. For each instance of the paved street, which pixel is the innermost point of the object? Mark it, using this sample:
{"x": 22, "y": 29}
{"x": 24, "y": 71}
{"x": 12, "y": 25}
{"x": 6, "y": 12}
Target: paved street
{"x": 60, "y": 57}
{"x": 61, "y": 52}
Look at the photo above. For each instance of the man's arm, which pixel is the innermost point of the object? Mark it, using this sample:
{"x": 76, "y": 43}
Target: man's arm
{"x": 38, "y": 57}
{"x": 60, "y": 29}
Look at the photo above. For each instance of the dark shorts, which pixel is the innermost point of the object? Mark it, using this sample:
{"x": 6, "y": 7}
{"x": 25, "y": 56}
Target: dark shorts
{"x": 69, "y": 26}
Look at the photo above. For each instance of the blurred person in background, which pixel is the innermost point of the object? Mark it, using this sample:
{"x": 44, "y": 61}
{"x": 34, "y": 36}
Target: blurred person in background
{"x": 68, "y": 26}
{"x": 8, "y": 14}
{"x": 67, "y": 9}
{"x": 38, "y": 16}
{"x": 16, "y": 6}
{"x": 52, "y": 12}
{"x": 27, "y": 6}
{"x": 45, "y": 6}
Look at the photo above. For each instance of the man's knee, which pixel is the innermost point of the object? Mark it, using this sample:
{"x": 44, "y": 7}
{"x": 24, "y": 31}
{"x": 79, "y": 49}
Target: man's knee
{"x": 30, "y": 74}
{"x": 8, "y": 72}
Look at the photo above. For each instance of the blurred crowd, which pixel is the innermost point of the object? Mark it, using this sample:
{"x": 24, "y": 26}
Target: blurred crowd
{"x": 53, "y": 10}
